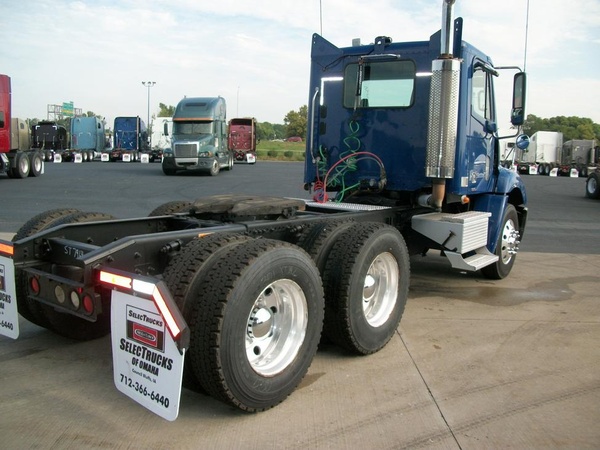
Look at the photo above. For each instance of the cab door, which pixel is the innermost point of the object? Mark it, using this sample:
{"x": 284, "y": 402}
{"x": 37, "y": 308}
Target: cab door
{"x": 483, "y": 128}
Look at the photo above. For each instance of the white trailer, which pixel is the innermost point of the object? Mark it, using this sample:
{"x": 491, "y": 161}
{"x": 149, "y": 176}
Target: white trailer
{"x": 543, "y": 153}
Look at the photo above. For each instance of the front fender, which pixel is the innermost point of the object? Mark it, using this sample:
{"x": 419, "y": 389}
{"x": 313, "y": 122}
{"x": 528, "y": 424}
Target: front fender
{"x": 510, "y": 189}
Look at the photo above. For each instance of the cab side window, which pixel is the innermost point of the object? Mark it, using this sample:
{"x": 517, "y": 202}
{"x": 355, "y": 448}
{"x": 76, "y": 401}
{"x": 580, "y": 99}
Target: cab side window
{"x": 481, "y": 95}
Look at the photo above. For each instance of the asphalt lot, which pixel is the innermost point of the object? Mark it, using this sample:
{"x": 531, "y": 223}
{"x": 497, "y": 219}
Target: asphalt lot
{"x": 475, "y": 363}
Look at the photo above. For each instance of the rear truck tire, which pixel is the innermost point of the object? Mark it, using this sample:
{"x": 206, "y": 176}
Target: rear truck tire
{"x": 31, "y": 309}
{"x": 319, "y": 239}
{"x": 68, "y": 325}
{"x": 36, "y": 162}
{"x": 184, "y": 276}
{"x": 366, "y": 281}
{"x": 22, "y": 165}
{"x": 214, "y": 169}
{"x": 592, "y": 186}
{"x": 230, "y": 163}
{"x": 173, "y": 207}
{"x": 506, "y": 246}
{"x": 258, "y": 317}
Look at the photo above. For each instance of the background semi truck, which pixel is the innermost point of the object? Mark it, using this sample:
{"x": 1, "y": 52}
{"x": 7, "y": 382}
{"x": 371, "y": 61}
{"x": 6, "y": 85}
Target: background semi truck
{"x": 130, "y": 137}
{"x": 17, "y": 158}
{"x": 87, "y": 138}
{"x": 579, "y": 157}
{"x": 235, "y": 291}
{"x": 241, "y": 139}
{"x": 199, "y": 140}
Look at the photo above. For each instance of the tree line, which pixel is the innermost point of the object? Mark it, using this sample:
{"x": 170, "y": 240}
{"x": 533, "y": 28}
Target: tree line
{"x": 571, "y": 127}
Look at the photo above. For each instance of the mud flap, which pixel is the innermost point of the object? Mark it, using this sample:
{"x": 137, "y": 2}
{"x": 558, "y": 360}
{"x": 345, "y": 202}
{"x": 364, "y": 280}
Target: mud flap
{"x": 147, "y": 361}
{"x": 9, "y": 315}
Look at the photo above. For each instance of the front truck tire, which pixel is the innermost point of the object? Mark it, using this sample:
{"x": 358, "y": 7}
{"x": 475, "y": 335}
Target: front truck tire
{"x": 258, "y": 316}
{"x": 506, "y": 247}
{"x": 366, "y": 281}
{"x": 592, "y": 186}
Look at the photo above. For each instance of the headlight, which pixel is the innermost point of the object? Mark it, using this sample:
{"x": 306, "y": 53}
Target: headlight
{"x": 205, "y": 154}
{"x": 167, "y": 154}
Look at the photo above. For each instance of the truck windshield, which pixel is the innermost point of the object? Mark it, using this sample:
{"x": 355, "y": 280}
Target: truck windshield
{"x": 385, "y": 84}
{"x": 188, "y": 127}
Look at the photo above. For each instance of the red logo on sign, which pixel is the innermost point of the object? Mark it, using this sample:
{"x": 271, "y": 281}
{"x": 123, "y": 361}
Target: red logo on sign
{"x": 148, "y": 336}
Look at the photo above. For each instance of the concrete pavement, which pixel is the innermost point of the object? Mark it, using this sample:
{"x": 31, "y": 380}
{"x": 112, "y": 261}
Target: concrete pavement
{"x": 476, "y": 364}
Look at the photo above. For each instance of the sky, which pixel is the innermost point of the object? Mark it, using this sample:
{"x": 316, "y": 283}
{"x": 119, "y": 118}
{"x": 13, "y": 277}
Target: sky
{"x": 257, "y": 54}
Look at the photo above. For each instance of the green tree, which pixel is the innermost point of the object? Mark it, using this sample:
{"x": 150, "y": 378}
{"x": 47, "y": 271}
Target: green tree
{"x": 165, "y": 110}
{"x": 296, "y": 122}
{"x": 265, "y": 131}
{"x": 571, "y": 127}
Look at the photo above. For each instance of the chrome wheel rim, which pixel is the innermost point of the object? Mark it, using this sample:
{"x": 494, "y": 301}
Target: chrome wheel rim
{"x": 276, "y": 327}
{"x": 380, "y": 290}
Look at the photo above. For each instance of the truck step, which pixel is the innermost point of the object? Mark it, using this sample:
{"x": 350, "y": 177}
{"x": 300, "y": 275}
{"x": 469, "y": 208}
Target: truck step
{"x": 473, "y": 263}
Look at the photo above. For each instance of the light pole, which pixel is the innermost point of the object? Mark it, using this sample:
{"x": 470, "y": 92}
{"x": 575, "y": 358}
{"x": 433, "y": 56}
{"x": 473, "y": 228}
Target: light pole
{"x": 148, "y": 84}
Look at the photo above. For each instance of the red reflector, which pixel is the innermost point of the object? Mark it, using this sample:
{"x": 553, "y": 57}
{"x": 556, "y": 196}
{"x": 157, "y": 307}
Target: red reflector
{"x": 88, "y": 304}
{"x": 7, "y": 249}
{"x": 35, "y": 285}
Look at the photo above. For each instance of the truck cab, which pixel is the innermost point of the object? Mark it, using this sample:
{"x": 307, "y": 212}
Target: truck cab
{"x": 413, "y": 125}
{"x": 199, "y": 140}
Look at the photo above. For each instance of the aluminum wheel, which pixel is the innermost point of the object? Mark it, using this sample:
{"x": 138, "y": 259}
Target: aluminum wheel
{"x": 509, "y": 242}
{"x": 380, "y": 289}
{"x": 276, "y": 327}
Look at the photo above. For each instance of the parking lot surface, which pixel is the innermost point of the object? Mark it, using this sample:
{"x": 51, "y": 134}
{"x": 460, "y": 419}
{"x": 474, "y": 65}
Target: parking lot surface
{"x": 474, "y": 364}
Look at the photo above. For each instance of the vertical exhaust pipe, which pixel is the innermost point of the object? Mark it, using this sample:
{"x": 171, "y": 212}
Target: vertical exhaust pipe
{"x": 443, "y": 111}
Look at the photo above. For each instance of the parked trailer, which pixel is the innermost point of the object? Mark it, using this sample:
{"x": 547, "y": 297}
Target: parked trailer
{"x": 199, "y": 140}
{"x": 241, "y": 139}
{"x": 130, "y": 139}
{"x": 543, "y": 154}
{"x": 240, "y": 288}
{"x": 87, "y": 139}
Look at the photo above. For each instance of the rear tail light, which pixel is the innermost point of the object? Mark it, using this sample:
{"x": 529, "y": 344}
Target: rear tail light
{"x": 88, "y": 304}
{"x": 34, "y": 285}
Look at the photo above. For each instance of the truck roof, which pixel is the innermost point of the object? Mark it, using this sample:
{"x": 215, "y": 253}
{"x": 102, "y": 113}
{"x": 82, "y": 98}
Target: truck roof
{"x": 200, "y": 108}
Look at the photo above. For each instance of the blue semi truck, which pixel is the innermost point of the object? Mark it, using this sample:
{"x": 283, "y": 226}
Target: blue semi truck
{"x": 87, "y": 139}
{"x": 88, "y": 136}
{"x": 130, "y": 136}
{"x": 235, "y": 290}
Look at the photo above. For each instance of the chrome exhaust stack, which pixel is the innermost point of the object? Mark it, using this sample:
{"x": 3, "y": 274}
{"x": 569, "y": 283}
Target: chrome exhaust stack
{"x": 443, "y": 112}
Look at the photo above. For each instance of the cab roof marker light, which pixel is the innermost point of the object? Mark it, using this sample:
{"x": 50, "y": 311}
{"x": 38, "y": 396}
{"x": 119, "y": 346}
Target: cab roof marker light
{"x": 7, "y": 249}
{"x": 164, "y": 310}
{"x": 115, "y": 280}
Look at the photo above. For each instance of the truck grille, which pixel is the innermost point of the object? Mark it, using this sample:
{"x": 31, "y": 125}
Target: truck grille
{"x": 186, "y": 150}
